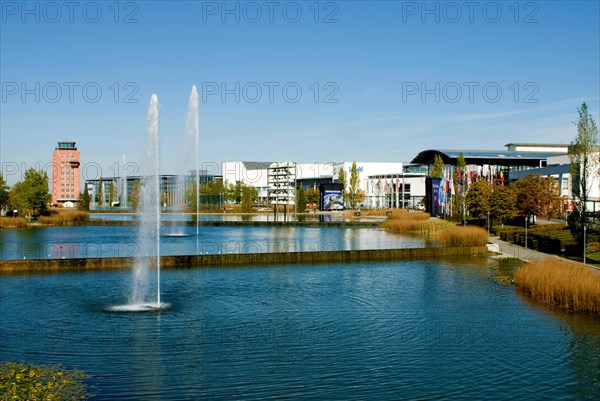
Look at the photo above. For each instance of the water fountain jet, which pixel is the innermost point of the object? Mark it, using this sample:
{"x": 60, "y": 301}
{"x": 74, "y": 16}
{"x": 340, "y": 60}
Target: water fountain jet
{"x": 148, "y": 216}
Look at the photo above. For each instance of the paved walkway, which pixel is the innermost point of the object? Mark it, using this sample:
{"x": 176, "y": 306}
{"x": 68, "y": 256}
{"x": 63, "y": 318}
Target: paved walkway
{"x": 528, "y": 255}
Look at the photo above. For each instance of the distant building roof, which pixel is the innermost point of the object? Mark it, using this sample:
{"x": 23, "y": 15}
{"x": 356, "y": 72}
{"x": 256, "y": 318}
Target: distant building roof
{"x": 494, "y": 157}
{"x": 539, "y": 145}
{"x": 256, "y": 165}
{"x": 68, "y": 145}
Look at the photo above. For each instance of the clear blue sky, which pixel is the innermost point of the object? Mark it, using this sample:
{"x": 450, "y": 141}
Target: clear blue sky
{"x": 374, "y": 58}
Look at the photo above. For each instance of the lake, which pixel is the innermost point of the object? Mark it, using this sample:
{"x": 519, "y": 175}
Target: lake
{"x": 377, "y": 331}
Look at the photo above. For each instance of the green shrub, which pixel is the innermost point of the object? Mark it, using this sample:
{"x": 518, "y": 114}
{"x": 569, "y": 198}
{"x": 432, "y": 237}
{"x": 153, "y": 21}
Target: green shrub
{"x": 22, "y": 381}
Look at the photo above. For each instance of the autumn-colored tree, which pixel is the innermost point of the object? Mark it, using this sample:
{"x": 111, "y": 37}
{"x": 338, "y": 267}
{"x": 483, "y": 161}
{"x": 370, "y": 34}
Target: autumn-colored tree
{"x": 313, "y": 195}
{"x": 502, "y": 203}
{"x": 478, "y": 198}
{"x": 536, "y": 195}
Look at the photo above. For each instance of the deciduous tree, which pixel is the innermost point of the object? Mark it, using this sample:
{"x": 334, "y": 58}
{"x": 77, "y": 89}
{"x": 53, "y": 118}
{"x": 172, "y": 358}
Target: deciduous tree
{"x": 100, "y": 193}
{"x": 478, "y": 198}
{"x": 30, "y": 196}
{"x": 438, "y": 167}
{"x": 134, "y": 196}
{"x": 536, "y": 195}
{"x": 112, "y": 193}
{"x": 502, "y": 203}
{"x": 353, "y": 188}
{"x": 85, "y": 199}
{"x": 301, "y": 200}
{"x": 313, "y": 195}
{"x": 3, "y": 192}
{"x": 583, "y": 155}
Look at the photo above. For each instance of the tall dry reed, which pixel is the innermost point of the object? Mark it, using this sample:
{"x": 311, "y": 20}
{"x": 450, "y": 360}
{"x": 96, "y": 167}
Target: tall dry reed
{"x": 58, "y": 217}
{"x": 415, "y": 227}
{"x": 12, "y": 222}
{"x": 462, "y": 236}
{"x": 567, "y": 285}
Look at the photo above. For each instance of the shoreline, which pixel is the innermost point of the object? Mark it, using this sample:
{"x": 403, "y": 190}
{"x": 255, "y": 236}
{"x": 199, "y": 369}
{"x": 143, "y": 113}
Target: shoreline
{"x": 10, "y": 267}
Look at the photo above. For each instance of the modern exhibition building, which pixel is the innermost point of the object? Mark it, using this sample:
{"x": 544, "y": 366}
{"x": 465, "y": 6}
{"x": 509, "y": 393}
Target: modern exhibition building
{"x": 384, "y": 184}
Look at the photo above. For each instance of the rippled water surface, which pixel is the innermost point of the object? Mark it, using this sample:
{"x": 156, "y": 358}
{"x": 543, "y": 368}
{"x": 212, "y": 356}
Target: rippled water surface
{"x": 381, "y": 331}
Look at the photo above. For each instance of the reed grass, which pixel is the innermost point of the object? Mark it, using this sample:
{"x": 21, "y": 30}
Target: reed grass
{"x": 13, "y": 222}
{"x": 405, "y": 214}
{"x": 462, "y": 236}
{"x": 415, "y": 227}
{"x": 569, "y": 286}
{"x": 60, "y": 217}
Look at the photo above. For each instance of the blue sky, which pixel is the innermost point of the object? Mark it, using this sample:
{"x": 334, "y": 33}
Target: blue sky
{"x": 393, "y": 78}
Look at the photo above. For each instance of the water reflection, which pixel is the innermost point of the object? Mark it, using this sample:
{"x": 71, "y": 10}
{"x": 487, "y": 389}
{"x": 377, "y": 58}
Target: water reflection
{"x": 411, "y": 330}
{"x": 122, "y": 241}
{"x": 583, "y": 335}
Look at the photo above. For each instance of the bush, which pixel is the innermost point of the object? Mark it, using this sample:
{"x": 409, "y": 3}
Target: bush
{"x": 462, "y": 236}
{"x": 12, "y": 222}
{"x": 567, "y": 285}
{"x": 21, "y": 381}
{"x": 61, "y": 217}
{"x": 415, "y": 227}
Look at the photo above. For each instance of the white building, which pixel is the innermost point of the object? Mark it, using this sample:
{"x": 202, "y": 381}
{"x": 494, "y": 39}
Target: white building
{"x": 385, "y": 185}
{"x": 281, "y": 183}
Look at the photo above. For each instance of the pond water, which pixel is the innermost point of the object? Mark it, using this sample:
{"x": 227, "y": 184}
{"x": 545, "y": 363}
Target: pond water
{"x": 121, "y": 241}
{"x": 186, "y": 217}
{"x": 381, "y": 331}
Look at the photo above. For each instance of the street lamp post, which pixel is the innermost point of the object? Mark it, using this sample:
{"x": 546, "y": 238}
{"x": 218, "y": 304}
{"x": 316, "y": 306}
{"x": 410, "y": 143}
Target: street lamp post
{"x": 584, "y": 240}
{"x": 526, "y": 219}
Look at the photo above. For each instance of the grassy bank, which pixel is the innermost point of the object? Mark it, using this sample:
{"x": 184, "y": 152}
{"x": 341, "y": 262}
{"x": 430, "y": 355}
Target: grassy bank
{"x": 446, "y": 233}
{"x": 569, "y": 286}
{"x": 13, "y": 222}
{"x": 60, "y": 217}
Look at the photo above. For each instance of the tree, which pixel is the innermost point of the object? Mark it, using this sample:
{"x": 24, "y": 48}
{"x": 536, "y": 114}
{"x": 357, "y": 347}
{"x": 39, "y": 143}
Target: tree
{"x": 342, "y": 178}
{"x": 536, "y": 195}
{"x": 301, "y": 200}
{"x": 502, "y": 203}
{"x": 237, "y": 191}
{"x": 85, "y": 199}
{"x": 353, "y": 188}
{"x": 583, "y": 155}
{"x": 3, "y": 192}
{"x": 30, "y": 196}
{"x": 438, "y": 167}
{"x": 190, "y": 195}
{"x": 478, "y": 198}
{"x": 313, "y": 195}
{"x": 246, "y": 198}
{"x": 112, "y": 193}
{"x": 100, "y": 193}
{"x": 461, "y": 186}
{"x": 134, "y": 196}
